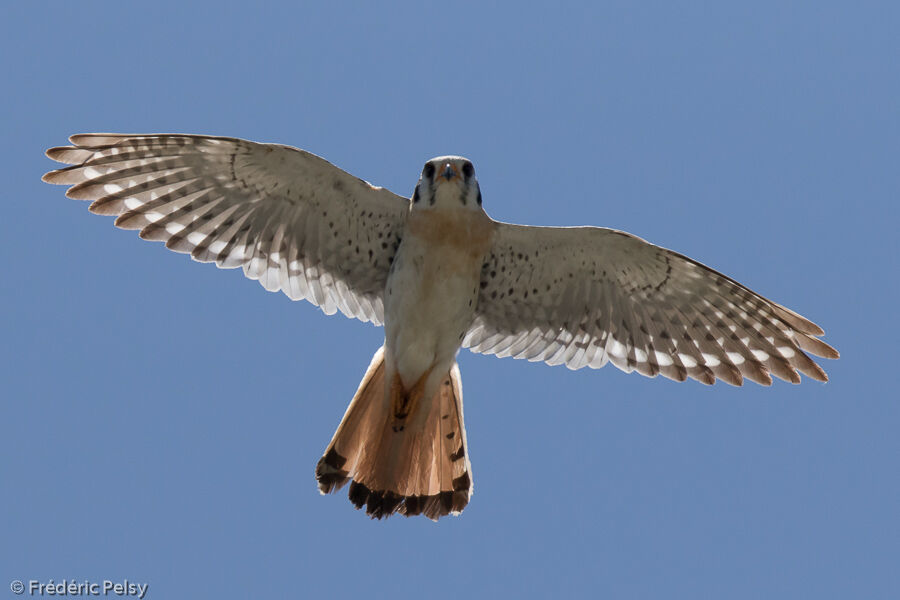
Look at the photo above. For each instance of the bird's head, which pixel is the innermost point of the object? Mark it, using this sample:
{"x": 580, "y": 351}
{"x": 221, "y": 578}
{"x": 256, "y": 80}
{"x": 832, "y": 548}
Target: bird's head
{"x": 447, "y": 182}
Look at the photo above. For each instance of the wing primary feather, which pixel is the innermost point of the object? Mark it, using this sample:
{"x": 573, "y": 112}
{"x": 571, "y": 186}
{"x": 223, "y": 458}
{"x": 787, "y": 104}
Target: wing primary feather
{"x": 278, "y": 212}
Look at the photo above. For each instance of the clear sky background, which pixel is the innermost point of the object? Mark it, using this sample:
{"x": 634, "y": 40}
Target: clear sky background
{"x": 162, "y": 419}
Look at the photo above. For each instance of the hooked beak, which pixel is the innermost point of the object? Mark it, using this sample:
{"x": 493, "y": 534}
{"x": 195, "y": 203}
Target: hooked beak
{"x": 449, "y": 172}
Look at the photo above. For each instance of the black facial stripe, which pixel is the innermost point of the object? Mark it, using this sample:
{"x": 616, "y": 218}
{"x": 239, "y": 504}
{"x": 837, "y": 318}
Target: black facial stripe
{"x": 479, "y": 195}
{"x": 416, "y": 195}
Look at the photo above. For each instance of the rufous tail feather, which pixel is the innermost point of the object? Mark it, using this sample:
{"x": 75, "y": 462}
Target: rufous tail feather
{"x": 400, "y": 460}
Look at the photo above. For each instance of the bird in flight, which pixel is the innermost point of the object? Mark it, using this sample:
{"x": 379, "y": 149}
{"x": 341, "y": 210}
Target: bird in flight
{"x": 439, "y": 274}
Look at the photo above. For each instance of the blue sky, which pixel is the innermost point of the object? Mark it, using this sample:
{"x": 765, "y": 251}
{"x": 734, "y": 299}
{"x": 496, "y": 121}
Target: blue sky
{"x": 162, "y": 418}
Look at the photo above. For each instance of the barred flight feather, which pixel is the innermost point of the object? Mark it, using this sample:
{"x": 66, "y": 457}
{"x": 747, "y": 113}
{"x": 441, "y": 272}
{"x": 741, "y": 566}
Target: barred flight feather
{"x": 583, "y": 296}
{"x": 290, "y": 219}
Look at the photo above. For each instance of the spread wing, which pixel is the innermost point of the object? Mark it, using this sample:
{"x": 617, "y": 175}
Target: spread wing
{"x": 582, "y": 296}
{"x": 292, "y": 220}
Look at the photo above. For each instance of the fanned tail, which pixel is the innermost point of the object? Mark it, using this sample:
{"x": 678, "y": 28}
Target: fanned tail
{"x": 421, "y": 468}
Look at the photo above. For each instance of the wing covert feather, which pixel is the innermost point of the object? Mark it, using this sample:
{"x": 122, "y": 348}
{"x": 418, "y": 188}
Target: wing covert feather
{"x": 584, "y": 296}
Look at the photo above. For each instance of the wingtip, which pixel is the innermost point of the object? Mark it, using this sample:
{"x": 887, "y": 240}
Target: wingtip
{"x": 90, "y": 140}
{"x": 58, "y": 153}
{"x": 812, "y": 328}
{"x": 820, "y": 375}
{"x": 816, "y": 346}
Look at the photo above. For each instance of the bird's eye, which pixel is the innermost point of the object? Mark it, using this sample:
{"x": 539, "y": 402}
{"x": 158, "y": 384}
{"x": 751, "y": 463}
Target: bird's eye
{"x": 428, "y": 171}
{"x": 467, "y": 169}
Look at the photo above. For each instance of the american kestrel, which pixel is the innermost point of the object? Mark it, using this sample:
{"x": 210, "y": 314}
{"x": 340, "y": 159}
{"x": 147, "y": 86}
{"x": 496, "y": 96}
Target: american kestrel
{"x": 440, "y": 274}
